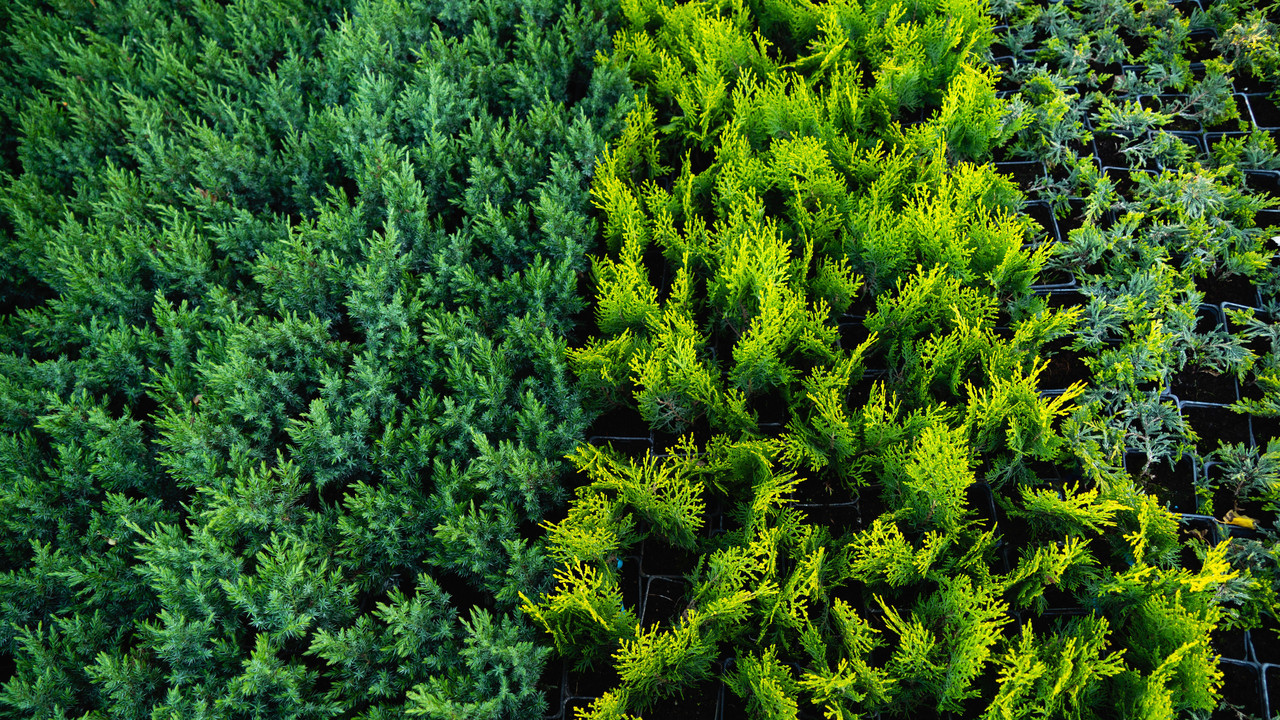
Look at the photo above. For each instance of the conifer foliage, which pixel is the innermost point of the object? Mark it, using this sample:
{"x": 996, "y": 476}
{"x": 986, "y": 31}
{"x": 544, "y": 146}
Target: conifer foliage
{"x": 284, "y": 295}
{"x": 798, "y": 216}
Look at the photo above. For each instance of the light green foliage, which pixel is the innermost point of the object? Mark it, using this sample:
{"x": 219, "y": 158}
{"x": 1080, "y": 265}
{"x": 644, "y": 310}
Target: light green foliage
{"x": 795, "y": 205}
{"x": 659, "y": 491}
{"x": 767, "y": 684}
{"x": 1057, "y": 675}
{"x": 584, "y": 613}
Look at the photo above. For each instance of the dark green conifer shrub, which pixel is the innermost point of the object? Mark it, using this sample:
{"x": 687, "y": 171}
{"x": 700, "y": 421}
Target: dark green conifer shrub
{"x": 284, "y": 295}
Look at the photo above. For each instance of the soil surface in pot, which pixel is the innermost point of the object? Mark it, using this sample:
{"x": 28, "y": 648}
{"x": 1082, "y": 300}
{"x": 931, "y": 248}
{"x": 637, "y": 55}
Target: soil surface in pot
{"x": 1229, "y": 644}
{"x": 1235, "y": 289}
{"x": 1064, "y": 368}
{"x": 1240, "y": 690}
{"x": 1214, "y": 425}
{"x": 1203, "y": 386}
{"x": 1266, "y": 645}
{"x": 1174, "y": 486}
{"x": 663, "y": 602}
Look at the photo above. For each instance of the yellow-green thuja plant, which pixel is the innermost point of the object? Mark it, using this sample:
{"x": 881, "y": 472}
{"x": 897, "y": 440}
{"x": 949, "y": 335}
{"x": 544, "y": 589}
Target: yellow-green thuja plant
{"x": 797, "y": 216}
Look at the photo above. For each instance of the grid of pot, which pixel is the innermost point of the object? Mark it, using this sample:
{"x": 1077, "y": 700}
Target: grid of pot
{"x": 1252, "y": 670}
{"x": 1246, "y": 666}
{"x": 1251, "y": 675}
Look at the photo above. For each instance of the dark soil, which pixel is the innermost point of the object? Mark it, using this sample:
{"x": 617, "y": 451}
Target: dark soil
{"x": 983, "y": 504}
{"x": 1072, "y": 220}
{"x": 824, "y": 491}
{"x": 1204, "y": 386}
{"x": 852, "y": 334}
{"x": 663, "y": 603}
{"x": 1066, "y": 299}
{"x": 1240, "y": 689}
{"x": 1209, "y": 318}
{"x": 1235, "y": 289}
{"x": 661, "y": 559}
{"x": 860, "y": 392}
{"x": 1023, "y": 173}
{"x": 1108, "y": 149}
{"x": 551, "y": 685}
{"x": 1266, "y": 646}
{"x": 1199, "y": 530}
{"x": 870, "y": 507}
{"x": 771, "y": 409}
{"x": 1174, "y": 486}
{"x": 1229, "y": 644}
{"x": 1214, "y": 424}
{"x": 733, "y": 706}
{"x": 1265, "y": 429}
{"x": 1263, "y": 182}
{"x": 576, "y": 708}
{"x": 1123, "y": 179}
{"x": 1055, "y": 277}
{"x": 840, "y": 519}
{"x": 629, "y": 581}
{"x": 1043, "y": 215}
{"x": 1267, "y": 218}
{"x": 591, "y": 684}
{"x": 1064, "y": 368}
{"x": 620, "y": 423}
{"x": 1245, "y": 82}
{"x": 698, "y": 703}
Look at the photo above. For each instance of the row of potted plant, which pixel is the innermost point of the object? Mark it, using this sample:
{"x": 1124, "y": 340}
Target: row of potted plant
{"x": 814, "y": 296}
{"x": 1159, "y": 162}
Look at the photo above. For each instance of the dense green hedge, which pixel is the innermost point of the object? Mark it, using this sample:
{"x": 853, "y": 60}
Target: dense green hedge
{"x": 285, "y": 289}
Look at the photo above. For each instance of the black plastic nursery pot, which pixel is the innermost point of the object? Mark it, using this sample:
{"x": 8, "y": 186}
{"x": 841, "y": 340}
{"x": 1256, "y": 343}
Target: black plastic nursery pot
{"x": 1271, "y": 678}
{"x": 1200, "y": 385}
{"x": 1242, "y": 691}
{"x": 1215, "y": 423}
{"x": 1264, "y": 643}
{"x": 1173, "y": 483}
